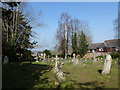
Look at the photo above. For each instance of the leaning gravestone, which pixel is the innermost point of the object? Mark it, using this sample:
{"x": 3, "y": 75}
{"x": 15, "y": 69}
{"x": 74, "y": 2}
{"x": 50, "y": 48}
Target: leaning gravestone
{"x": 107, "y": 64}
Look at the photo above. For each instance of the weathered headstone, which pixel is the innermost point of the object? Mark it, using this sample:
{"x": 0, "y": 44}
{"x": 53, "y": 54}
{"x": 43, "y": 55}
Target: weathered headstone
{"x": 75, "y": 59}
{"x": 6, "y": 60}
{"x": 60, "y": 76}
{"x": 94, "y": 56}
{"x": 55, "y": 69}
{"x": 73, "y": 55}
{"x": 107, "y": 64}
{"x": 37, "y": 60}
{"x": 44, "y": 58}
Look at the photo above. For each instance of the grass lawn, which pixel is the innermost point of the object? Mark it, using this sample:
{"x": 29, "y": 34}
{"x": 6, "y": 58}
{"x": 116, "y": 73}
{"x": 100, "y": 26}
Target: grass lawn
{"x": 37, "y": 75}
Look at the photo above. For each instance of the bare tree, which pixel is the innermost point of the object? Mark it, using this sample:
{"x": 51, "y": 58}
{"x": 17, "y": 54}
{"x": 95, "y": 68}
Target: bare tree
{"x": 68, "y": 33}
{"x": 117, "y": 28}
{"x": 63, "y": 33}
{"x": 75, "y": 27}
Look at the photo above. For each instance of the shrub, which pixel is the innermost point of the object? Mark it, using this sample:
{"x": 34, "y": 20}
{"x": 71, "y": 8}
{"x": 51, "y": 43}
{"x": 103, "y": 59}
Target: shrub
{"x": 115, "y": 55}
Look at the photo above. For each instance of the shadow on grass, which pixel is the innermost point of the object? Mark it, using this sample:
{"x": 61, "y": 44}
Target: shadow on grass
{"x": 100, "y": 71}
{"x": 87, "y": 85}
{"x": 93, "y": 84}
{"x": 23, "y": 76}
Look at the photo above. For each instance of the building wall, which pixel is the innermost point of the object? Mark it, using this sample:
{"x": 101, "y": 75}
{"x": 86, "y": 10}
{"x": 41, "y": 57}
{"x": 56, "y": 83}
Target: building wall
{"x": 111, "y": 49}
{"x": 108, "y": 49}
{"x": 100, "y": 50}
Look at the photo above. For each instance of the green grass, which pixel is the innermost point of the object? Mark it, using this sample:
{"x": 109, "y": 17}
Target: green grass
{"x": 39, "y": 75}
{"x": 86, "y": 75}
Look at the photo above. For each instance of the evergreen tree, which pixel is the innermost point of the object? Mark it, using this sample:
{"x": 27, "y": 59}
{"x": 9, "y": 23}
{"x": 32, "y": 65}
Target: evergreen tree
{"x": 74, "y": 42}
{"x": 83, "y": 44}
{"x": 16, "y": 32}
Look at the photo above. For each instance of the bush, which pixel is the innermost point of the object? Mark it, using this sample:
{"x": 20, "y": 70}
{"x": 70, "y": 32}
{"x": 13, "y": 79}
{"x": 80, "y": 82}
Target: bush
{"x": 115, "y": 55}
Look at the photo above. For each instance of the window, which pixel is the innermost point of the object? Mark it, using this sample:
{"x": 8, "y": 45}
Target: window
{"x": 101, "y": 49}
{"x": 116, "y": 49}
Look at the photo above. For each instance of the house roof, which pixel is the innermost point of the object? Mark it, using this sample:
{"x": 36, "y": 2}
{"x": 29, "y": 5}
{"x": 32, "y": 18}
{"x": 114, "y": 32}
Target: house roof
{"x": 112, "y": 43}
{"x": 96, "y": 45}
{"x": 107, "y": 43}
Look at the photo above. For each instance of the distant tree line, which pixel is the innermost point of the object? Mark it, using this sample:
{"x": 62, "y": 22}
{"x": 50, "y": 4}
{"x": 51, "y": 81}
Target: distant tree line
{"x": 72, "y": 34}
{"x": 16, "y": 32}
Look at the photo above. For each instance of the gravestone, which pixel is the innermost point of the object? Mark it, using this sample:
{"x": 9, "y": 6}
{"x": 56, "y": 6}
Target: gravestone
{"x": 75, "y": 59}
{"x": 60, "y": 76}
{"x": 36, "y": 61}
{"x": 6, "y": 60}
{"x": 55, "y": 69}
{"x": 73, "y": 55}
{"x": 94, "y": 56}
{"x": 44, "y": 58}
{"x": 44, "y": 55}
{"x": 107, "y": 64}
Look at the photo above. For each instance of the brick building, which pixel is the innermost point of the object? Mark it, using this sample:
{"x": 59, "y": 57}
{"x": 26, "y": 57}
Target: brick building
{"x": 107, "y": 46}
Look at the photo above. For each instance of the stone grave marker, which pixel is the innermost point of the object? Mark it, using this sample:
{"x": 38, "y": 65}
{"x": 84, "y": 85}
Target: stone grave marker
{"x": 75, "y": 60}
{"x": 55, "y": 69}
{"x": 94, "y": 56}
{"x": 107, "y": 64}
{"x": 37, "y": 59}
{"x": 73, "y": 55}
{"x": 60, "y": 76}
{"x": 44, "y": 58}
